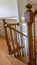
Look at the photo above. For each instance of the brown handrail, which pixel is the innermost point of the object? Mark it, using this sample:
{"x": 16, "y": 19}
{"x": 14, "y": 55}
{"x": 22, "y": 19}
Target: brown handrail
{"x": 10, "y": 23}
{"x": 7, "y": 25}
{"x": 35, "y": 12}
{"x": 35, "y": 41}
{"x": 16, "y": 30}
{"x": 14, "y": 24}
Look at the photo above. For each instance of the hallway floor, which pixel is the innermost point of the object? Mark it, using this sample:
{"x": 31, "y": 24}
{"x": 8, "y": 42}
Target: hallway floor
{"x": 5, "y": 58}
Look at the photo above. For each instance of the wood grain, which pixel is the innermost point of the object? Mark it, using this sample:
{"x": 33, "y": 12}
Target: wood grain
{"x": 5, "y": 58}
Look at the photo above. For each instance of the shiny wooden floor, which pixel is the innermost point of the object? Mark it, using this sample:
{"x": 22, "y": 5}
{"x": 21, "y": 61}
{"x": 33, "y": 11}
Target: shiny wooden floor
{"x": 5, "y": 58}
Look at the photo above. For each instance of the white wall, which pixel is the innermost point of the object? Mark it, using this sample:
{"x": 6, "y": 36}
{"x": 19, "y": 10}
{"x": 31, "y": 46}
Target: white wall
{"x": 22, "y": 7}
{"x": 2, "y": 32}
{"x": 8, "y": 8}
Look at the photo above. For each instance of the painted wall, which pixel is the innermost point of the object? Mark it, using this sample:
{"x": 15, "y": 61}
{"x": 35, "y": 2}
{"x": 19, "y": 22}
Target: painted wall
{"x": 8, "y": 8}
{"x": 22, "y": 7}
{"x": 2, "y": 32}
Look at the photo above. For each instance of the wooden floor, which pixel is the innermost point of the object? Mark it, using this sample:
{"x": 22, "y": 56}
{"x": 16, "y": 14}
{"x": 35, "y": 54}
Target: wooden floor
{"x": 5, "y": 58}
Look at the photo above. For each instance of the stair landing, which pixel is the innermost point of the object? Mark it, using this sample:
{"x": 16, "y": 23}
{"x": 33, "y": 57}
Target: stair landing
{"x": 5, "y": 58}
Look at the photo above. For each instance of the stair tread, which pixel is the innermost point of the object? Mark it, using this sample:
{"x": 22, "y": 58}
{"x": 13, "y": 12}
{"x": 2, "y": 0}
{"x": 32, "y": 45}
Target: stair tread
{"x": 21, "y": 58}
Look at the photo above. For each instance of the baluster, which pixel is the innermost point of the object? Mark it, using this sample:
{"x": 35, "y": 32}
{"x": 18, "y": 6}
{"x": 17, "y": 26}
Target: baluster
{"x": 8, "y": 44}
{"x": 17, "y": 44}
{"x": 12, "y": 41}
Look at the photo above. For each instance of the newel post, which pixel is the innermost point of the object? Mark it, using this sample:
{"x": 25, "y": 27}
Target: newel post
{"x": 29, "y": 19}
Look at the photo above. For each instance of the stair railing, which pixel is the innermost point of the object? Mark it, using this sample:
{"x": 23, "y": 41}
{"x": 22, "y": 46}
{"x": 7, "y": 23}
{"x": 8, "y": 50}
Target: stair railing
{"x": 19, "y": 48}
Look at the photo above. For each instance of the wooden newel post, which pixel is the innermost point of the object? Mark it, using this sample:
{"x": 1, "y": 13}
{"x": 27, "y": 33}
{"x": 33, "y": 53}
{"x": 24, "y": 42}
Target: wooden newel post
{"x": 29, "y": 19}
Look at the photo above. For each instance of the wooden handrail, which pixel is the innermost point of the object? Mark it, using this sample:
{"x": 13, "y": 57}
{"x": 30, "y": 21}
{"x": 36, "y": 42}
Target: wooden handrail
{"x": 35, "y": 41}
{"x": 10, "y": 23}
{"x": 35, "y": 12}
{"x": 14, "y": 24}
{"x": 16, "y": 30}
{"x": 19, "y": 32}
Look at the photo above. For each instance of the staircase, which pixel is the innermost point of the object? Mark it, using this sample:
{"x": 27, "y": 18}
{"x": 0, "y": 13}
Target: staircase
{"x": 13, "y": 43}
{"x": 5, "y": 58}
